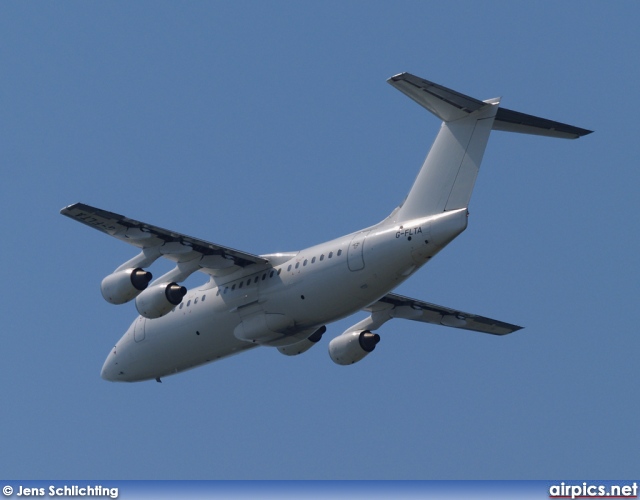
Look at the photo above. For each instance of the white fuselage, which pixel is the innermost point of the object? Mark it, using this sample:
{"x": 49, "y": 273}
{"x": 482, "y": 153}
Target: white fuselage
{"x": 299, "y": 292}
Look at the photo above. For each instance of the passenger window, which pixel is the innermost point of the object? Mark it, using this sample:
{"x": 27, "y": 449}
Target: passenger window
{"x": 339, "y": 253}
{"x": 321, "y": 257}
{"x": 181, "y": 304}
{"x": 256, "y": 280}
{"x": 313, "y": 260}
{"x": 240, "y": 285}
{"x": 289, "y": 268}
{"x": 305, "y": 262}
{"x": 330, "y": 254}
{"x": 280, "y": 270}
{"x": 248, "y": 281}
{"x": 188, "y": 303}
{"x": 218, "y": 292}
{"x": 233, "y": 287}
{"x": 264, "y": 276}
{"x": 195, "y": 301}
{"x": 297, "y": 265}
{"x": 271, "y": 274}
{"x": 203, "y": 298}
{"x": 226, "y": 288}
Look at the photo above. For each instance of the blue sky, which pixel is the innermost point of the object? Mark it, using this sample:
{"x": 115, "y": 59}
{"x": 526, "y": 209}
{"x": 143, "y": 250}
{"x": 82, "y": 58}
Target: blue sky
{"x": 269, "y": 127}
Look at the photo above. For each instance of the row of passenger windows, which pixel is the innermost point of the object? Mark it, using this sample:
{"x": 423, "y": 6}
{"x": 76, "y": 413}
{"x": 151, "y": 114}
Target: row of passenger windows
{"x": 273, "y": 273}
{"x": 248, "y": 282}
{"x": 195, "y": 301}
{"x": 313, "y": 260}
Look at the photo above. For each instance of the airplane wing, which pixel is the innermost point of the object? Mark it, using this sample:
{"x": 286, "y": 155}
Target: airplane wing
{"x": 398, "y": 306}
{"x": 172, "y": 245}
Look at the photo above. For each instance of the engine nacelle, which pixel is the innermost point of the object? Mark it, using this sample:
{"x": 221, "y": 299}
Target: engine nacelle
{"x": 351, "y": 347}
{"x": 303, "y": 345}
{"x": 123, "y": 286}
{"x": 158, "y": 300}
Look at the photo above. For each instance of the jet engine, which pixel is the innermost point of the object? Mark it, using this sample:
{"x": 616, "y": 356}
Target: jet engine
{"x": 159, "y": 299}
{"x": 122, "y": 286}
{"x": 351, "y": 347}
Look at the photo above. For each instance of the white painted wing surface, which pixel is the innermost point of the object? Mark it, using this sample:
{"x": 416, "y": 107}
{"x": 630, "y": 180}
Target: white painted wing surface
{"x": 173, "y": 245}
{"x": 398, "y": 306}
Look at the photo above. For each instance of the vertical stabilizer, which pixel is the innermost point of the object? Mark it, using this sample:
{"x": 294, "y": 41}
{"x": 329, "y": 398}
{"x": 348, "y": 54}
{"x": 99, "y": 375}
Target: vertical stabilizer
{"x": 446, "y": 179}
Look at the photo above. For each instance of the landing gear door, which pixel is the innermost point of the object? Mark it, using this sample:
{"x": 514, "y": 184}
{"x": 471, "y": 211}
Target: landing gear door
{"x": 355, "y": 254}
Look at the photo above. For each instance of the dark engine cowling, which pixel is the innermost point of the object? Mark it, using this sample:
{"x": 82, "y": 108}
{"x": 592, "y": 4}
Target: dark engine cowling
{"x": 158, "y": 300}
{"x": 123, "y": 286}
{"x": 351, "y": 347}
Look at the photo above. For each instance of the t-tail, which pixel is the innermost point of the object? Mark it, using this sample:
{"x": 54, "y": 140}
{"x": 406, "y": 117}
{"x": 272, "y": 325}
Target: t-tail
{"x": 445, "y": 181}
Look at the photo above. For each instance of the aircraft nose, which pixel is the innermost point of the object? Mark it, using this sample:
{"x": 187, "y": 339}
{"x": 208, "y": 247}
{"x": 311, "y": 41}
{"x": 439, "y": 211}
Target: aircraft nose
{"x": 110, "y": 367}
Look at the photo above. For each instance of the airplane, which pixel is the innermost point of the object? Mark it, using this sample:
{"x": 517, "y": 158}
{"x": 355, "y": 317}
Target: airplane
{"x": 286, "y": 300}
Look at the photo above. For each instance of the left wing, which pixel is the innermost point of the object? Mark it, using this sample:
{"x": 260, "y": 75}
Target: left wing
{"x": 397, "y": 306}
{"x": 177, "y": 247}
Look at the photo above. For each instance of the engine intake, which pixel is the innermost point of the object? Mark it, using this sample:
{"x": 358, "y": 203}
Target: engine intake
{"x": 351, "y": 347}
{"x": 158, "y": 300}
{"x": 125, "y": 285}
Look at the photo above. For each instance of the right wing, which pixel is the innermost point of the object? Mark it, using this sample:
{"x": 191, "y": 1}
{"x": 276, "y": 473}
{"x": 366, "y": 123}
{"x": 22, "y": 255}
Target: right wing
{"x": 397, "y": 306}
{"x": 212, "y": 258}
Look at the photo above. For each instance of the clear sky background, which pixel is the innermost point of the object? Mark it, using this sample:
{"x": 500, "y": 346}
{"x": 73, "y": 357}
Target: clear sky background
{"x": 269, "y": 127}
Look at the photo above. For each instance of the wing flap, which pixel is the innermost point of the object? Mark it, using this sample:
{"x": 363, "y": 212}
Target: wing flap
{"x": 172, "y": 245}
{"x": 399, "y": 306}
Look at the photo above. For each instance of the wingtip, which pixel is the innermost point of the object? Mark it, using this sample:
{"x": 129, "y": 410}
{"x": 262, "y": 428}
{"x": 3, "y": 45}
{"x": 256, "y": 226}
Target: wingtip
{"x": 68, "y": 207}
{"x": 64, "y": 210}
{"x": 397, "y": 76}
{"x": 586, "y": 132}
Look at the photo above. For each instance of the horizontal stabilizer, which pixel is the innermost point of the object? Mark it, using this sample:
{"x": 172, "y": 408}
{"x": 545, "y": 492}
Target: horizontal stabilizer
{"x": 446, "y": 104}
{"x": 514, "y": 121}
{"x": 450, "y": 105}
